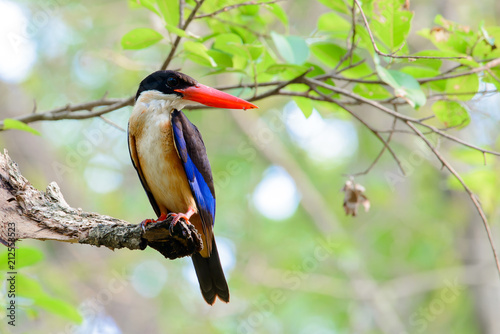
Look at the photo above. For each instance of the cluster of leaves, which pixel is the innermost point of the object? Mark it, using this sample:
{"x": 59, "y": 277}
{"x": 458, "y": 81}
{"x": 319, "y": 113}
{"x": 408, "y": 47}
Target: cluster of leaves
{"x": 245, "y": 39}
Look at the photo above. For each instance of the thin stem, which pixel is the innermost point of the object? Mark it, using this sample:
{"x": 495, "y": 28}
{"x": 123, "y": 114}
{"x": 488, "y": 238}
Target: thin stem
{"x": 228, "y": 8}
{"x": 392, "y": 55}
{"x": 466, "y": 188}
{"x": 175, "y": 45}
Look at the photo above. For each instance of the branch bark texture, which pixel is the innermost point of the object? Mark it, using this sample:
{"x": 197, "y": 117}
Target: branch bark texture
{"x": 27, "y": 213}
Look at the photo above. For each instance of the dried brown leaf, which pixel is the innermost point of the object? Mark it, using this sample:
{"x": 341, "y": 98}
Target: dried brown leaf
{"x": 354, "y": 196}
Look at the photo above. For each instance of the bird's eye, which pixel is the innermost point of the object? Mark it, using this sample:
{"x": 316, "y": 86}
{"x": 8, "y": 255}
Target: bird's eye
{"x": 172, "y": 81}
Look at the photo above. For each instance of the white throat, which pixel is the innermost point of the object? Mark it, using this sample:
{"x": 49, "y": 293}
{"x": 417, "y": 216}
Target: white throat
{"x": 158, "y": 102}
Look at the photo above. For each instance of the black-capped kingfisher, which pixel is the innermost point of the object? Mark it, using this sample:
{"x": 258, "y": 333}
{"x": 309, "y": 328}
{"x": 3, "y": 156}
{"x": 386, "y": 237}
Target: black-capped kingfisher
{"x": 169, "y": 156}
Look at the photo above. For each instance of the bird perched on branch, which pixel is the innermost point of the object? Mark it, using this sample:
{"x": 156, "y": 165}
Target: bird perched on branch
{"x": 169, "y": 156}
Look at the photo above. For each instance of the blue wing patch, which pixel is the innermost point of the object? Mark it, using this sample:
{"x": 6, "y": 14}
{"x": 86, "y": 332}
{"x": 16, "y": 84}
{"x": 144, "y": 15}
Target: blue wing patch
{"x": 193, "y": 156}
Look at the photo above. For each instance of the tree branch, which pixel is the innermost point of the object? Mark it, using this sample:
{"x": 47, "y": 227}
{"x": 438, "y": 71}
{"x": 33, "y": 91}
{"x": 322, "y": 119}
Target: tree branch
{"x": 466, "y": 188}
{"x": 401, "y": 117}
{"x": 77, "y": 111}
{"x": 485, "y": 67}
{"x": 27, "y": 213}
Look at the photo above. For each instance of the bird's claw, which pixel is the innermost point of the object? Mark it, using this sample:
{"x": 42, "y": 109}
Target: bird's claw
{"x": 144, "y": 223}
{"x": 147, "y": 221}
{"x": 176, "y": 217}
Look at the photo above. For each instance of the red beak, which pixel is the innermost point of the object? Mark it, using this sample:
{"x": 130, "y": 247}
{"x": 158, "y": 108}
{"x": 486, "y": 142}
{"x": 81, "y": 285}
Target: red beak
{"x": 214, "y": 98}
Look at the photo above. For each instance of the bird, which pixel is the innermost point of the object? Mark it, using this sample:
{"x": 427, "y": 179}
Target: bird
{"x": 170, "y": 158}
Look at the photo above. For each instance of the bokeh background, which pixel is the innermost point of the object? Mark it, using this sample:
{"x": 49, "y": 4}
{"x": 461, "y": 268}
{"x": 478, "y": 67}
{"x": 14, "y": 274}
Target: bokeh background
{"x": 419, "y": 260}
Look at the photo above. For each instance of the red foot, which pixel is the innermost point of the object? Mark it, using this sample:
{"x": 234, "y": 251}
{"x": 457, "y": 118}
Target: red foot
{"x": 147, "y": 221}
{"x": 178, "y": 216}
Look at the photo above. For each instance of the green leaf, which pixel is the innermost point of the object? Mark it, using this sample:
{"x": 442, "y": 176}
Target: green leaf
{"x": 300, "y": 49}
{"x": 59, "y": 307}
{"x": 471, "y": 157}
{"x": 250, "y": 10}
{"x": 265, "y": 60}
{"x": 444, "y": 40}
{"x": 173, "y": 29}
{"x": 222, "y": 59}
{"x": 293, "y": 49}
{"x": 390, "y": 23}
{"x": 14, "y": 124}
{"x": 451, "y": 113}
{"x": 24, "y": 257}
{"x": 337, "y": 5}
{"x": 490, "y": 46}
{"x": 334, "y": 23}
{"x": 463, "y": 85}
{"x": 316, "y": 70}
{"x": 305, "y": 105}
{"x": 278, "y": 12}
{"x": 230, "y": 43}
{"x": 405, "y": 86}
{"x": 286, "y": 71}
{"x": 484, "y": 183}
{"x": 420, "y": 72}
{"x": 170, "y": 11}
{"x": 330, "y": 54}
{"x": 255, "y": 51}
{"x": 450, "y": 36}
{"x": 200, "y": 52}
{"x": 30, "y": 288}
{"x": 493, "y": 79}
{"x": 432, "y": 63}
{"x": 371, "y": 91}
{"x": 149, "y": 4}
{"x": 301, "y": 88}
{"x": 140, "y": 38}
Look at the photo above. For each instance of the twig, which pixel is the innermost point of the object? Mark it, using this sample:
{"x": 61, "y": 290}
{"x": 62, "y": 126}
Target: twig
{"x": 485, "y": 67}
{"x": 445, "y": 94}
{"x": 490, "y": 72}
{"x": 377, "y": 158}
{"x": 352, "y": 45}
{"x": 351, "y": 65}
{"x": 466, "y": 188}
{"x": 182, "y": 4}
{"x": 353, "y": 37}
{"x": 392, "y": 55}
{"x": 246, "y": 27}
{"x": 76, "y": 111}
{"x": 228, "y": 8}
{"x": 362, "y": 121}
{"x": 283, "y": 84}
{"x": 113, "y": 124}
{"x": 178, "y": 38}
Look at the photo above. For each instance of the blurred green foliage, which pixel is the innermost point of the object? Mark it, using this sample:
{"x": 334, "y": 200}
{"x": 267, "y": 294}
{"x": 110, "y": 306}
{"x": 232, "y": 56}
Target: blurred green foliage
{"x": 288, "y": 276}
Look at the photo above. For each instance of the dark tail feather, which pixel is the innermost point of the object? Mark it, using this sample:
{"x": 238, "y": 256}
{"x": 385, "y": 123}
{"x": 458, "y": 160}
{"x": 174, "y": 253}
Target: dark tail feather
{"x": 211, "y": 277}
